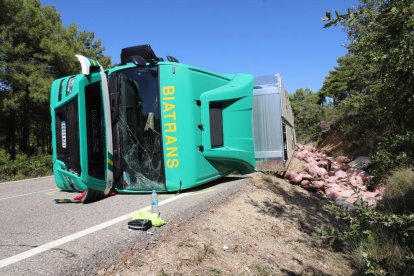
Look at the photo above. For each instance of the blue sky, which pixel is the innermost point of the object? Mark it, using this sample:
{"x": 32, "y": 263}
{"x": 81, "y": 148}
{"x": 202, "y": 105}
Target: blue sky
{"x": 258, "y": 37}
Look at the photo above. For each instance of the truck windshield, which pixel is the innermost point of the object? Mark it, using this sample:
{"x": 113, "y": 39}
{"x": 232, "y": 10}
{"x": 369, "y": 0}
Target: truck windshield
{"x": 138, "y": 129}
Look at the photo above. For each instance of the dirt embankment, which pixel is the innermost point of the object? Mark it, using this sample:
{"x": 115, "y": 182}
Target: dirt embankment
{"x": 268, "y": 228}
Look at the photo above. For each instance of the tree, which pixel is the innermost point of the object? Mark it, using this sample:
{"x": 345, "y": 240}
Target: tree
{"x": 343, "y": 81}
{"x": 374, "y": 82}
{"x": 85, "y": 44}
{"x": 381, "y": 114}
{"x": 308, "y": 112}
{"x": 35, "y": 49}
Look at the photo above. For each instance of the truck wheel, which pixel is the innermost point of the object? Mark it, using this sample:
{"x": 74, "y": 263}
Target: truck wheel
{"x": 92, "y": 196}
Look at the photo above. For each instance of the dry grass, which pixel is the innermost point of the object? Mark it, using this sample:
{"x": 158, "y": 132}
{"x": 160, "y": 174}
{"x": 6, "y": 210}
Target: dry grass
{"x": 399, "y": 192}
{"x": 384, "y": 249}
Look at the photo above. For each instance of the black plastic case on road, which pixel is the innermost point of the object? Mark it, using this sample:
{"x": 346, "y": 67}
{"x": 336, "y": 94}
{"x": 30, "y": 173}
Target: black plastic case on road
{"x": 140, "y": 224}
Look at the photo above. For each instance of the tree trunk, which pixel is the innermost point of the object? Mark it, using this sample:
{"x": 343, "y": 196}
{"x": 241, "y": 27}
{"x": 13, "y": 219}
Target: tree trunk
{"x": 12, "y": 135}
{"x": 25, "y": 138}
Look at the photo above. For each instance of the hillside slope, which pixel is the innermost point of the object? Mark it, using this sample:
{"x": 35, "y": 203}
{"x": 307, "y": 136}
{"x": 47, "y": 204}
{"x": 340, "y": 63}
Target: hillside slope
{"x": 268, "y": 228}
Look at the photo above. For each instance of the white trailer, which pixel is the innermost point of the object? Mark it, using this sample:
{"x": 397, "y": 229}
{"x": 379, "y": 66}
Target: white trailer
{"x": 273, "y": 124}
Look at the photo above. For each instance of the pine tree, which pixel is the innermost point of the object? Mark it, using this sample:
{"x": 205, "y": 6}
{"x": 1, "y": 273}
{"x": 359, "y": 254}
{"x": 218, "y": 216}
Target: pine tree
{"x": 35, "y": 48}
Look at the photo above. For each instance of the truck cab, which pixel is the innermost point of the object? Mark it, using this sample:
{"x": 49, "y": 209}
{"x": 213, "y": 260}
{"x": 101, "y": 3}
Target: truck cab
{"x": 149, "y": 124}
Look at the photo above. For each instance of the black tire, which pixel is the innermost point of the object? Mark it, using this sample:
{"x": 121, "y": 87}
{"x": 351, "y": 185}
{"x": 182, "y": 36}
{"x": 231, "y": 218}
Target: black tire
{"x": 92, "y": 196}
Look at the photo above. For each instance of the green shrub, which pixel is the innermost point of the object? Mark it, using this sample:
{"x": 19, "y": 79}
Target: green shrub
{"x": 307, "y": 111}
{"x": 380, "y": 254}
{"x": 358, "y": 121}
{"x": 391, "y": 153}
{"x": 24, "y": 166}
{"x": 399, "y": 192}
{"x": 381, "y": 242}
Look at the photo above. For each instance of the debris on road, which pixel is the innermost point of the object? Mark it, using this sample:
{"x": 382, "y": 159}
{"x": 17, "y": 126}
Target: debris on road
{"x": 80, "y": 198}
{"x": 76, "y": 199}
{"x": 140, "y": 224}
{"x": 335, "y": 178}
{"x": 155, "y": 219}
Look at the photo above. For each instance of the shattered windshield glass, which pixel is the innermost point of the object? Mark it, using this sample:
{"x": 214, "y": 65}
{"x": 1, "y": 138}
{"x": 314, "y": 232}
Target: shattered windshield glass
{"x": 139, "y": 127}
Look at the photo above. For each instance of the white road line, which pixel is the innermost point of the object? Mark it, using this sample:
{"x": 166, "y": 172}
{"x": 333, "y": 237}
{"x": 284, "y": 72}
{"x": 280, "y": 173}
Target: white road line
{"x": 26, "y": 180}
{"x": 42, "y": 248}
{"x": 10, "y": 197}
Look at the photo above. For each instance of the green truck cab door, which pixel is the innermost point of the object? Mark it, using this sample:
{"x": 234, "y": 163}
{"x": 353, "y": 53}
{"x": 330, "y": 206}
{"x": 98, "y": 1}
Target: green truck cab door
{"x": 97, "y": 122}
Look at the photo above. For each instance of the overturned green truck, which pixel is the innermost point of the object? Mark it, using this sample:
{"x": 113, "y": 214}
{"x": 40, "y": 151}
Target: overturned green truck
{"x": 149, "y": 124}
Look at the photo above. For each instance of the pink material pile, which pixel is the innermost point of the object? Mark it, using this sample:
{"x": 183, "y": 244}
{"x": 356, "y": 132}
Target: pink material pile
{"x": 334, "y": 178}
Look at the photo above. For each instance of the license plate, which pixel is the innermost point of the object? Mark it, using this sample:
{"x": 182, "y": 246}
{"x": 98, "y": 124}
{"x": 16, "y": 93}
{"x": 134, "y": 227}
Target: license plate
{"x": 63, "y": 131}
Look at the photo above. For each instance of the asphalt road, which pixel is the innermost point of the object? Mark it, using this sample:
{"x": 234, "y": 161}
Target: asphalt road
{"x": 39, "y": 237}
